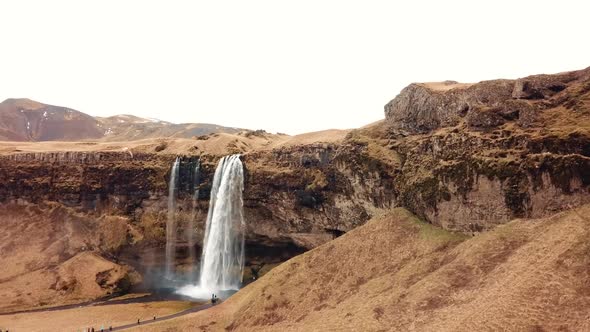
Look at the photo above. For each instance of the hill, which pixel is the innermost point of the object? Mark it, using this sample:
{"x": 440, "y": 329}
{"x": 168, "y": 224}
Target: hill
{"x": 396, "y": 273}
{"x": 28, "y": 120}
{"x": 53, "y": 256}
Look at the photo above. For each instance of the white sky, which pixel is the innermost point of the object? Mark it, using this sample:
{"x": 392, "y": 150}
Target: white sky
{"x": 288, "y": 66}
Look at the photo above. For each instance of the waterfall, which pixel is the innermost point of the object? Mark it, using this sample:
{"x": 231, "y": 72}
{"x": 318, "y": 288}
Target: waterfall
{"x": 191, "y": 225}
{"x": 197, "y": 179}
{"x": 171, "y": 222}
{"x": 222, "y": 261}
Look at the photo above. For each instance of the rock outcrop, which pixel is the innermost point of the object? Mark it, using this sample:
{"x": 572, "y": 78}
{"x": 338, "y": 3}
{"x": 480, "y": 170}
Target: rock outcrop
{"x": 478, "y": 155}
{"x": 424, "y": 107}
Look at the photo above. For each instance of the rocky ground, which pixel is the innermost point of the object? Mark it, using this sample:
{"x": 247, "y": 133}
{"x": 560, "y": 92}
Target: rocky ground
{"x": 465, "y": 158}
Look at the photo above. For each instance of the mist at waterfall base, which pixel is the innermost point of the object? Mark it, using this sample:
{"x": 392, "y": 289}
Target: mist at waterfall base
{"x": 222, "y": 260}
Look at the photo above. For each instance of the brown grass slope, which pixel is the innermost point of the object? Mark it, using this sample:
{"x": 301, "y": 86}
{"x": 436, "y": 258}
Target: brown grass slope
{"x": 212, "y": 144}
{"x": 53, "y": 256}
{"x": 126, "y": 127}
{"x": 397, "y": 273}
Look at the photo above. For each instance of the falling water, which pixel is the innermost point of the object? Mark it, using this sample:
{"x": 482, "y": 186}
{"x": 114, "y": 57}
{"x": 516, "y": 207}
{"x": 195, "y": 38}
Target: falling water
{"x": 197, "y": 179}
{"x": 171, "y": 222}
{"x": 191, "y": 224}
{"x": 222, "y": 262}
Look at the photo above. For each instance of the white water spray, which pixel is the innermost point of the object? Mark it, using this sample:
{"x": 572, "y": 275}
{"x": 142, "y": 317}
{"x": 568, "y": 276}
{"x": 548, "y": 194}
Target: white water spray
{"x": 222, "y": 262}
{"x": 171, "y": 222}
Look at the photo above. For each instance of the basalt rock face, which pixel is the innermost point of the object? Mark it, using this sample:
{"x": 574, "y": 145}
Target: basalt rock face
{"x": 469, "y": 183}
{"x": 105, "y": 181}
{"x": 475, "y": 156}
{"x": 308, "y": 194}
{"x": 291, "y": 194}
{"x": 295, "y": 198}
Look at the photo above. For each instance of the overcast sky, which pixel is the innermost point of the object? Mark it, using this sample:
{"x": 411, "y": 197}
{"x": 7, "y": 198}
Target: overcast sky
{"x": 287, "y": 66}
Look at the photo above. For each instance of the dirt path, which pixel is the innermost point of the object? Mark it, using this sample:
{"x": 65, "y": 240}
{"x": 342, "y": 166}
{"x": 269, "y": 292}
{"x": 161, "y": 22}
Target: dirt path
{"x": 159, "y": 319}
{"x": 105, "y": 302}
{"x": 118, "y": 316}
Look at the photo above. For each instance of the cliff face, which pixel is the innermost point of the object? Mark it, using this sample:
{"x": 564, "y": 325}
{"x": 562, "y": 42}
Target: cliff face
{"x": 470, "y": 183}
{"x": 308, "y": 194}
{"x": 303, "y": 189}
{"x": 478, "y": 155}
{"x": 295, "y": 197}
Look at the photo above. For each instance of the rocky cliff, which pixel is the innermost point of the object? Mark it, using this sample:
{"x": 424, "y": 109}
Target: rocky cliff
{"x": 295, "y": 198}
{"x": 424, "y": 107}
{"x": 477, "y": 155}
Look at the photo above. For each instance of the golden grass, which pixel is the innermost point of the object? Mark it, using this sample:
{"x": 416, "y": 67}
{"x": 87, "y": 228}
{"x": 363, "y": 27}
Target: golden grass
{"x": 563, "y": 122}
{"x": 376, "y": 147}
{"x": 445, "y": 86}
{"x": 398, "y": 274}
{"x": 213, "y": 144}
{"x": 47, "y": 250}
{"x": 128, "y": 296}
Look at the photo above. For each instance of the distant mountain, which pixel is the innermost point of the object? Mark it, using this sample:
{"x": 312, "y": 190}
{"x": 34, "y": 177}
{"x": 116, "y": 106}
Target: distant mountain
{"x": 28, "y": 120}
{"x": 129, "y": 127}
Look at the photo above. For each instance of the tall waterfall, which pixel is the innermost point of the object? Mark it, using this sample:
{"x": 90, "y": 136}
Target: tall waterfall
{"x": 191, "y": 223}
{"x": 197, "y": 179}
{"x": 222, "y": 261}
{"x": 171, "y": 222}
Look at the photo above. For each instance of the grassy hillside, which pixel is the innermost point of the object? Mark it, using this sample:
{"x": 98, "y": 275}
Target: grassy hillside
{"x": 398, "y": 274}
